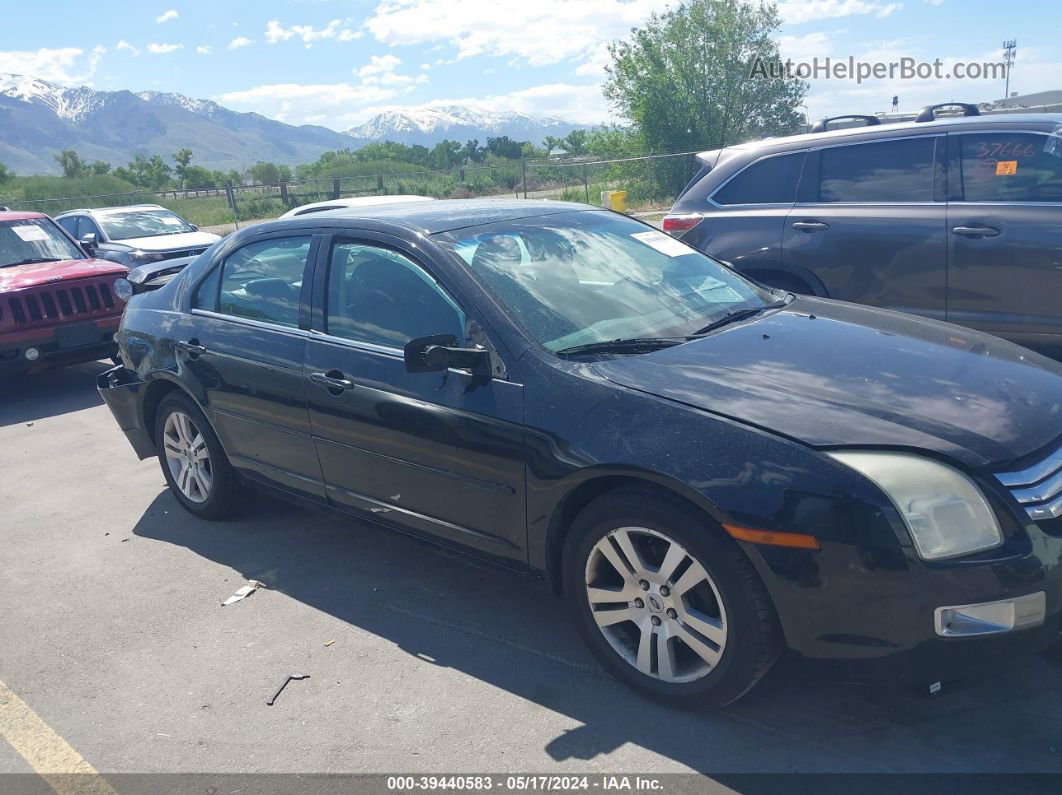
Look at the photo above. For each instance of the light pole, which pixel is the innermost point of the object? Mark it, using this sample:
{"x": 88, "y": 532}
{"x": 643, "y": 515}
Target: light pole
{"x": 1010, "y": 49}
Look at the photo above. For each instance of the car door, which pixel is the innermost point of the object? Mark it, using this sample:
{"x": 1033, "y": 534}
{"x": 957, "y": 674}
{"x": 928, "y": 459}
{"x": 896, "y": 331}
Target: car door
{"x": 869, "y": 223}
{"x": 243, "y": 345}
{"x": 1005, "y": 234}
{"x": 437, "y": 453}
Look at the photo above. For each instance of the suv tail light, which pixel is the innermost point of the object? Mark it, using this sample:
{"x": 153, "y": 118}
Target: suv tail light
{"x": 678, "y": 225}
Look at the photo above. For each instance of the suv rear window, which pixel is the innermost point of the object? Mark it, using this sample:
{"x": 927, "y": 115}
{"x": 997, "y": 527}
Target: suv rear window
{"x": 1010, "y": 167}
{"x": 884, "y": 171}
{"x": 772, "y": 180}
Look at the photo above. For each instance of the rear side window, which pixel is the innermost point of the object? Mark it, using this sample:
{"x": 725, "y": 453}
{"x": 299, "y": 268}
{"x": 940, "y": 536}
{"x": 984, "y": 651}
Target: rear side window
{"x": 885, "y": 171}
{"x": 263, "y": 280}
{"x": 769, "y": 181}
{"x": 1010, "y": 167}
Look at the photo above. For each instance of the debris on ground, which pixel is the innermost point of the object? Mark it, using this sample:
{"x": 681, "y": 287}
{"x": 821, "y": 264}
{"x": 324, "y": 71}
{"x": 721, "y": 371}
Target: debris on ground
{"x": 243, "y": 592}
{"x": 285, "y": 684}
{"x": 329, "y": 642}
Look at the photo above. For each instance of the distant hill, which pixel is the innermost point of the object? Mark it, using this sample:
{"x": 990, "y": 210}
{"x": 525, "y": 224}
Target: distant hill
{"x": 430, "y": 124}
{"x": 39, "y": 119}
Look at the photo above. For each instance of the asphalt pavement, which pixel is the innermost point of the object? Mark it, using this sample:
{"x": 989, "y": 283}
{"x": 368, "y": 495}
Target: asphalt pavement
{"x": 112, "y": 631}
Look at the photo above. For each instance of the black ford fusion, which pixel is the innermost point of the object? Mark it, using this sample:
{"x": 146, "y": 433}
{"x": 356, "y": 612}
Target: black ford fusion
{"x": 709, "y": 470}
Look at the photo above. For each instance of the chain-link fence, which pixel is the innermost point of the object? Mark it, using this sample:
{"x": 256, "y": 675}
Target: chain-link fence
{"x": 652, "y": 182}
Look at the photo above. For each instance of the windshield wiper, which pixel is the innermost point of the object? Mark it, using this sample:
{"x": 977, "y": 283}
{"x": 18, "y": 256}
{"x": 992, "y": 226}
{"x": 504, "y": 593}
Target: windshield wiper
{"x": 630, "y": 345}
{"x": 734, "y": 316}
{"x": 32, "y": 261}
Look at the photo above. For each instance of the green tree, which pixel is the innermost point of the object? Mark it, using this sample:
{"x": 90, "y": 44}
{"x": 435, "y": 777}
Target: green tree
{"x": 71, "y": 163}
{"x": 265, "y": 173}
{"x": 504, "y": 146}
{"x": 684, "y": 80}
{"x": 575, "y": 142}
{"x": 5, "y": 173}
{"x": 198, "y": 178}
{"x": 446, "y": 154}
{"x": 551, "y": 142}
{"x": 183, "y": 158}
{"x": 472, "y": 151}
{"x": 98, "y": 168}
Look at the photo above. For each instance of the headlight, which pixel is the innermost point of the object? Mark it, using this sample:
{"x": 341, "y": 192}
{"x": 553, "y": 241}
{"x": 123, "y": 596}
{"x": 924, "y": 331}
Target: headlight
{"x": 144, "y": 256}
{"x": 123, "y": 288}
{"x": 945, "y": 511}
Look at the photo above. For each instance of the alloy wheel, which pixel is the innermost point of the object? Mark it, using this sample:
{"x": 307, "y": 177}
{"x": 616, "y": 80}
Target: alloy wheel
{"x": 655, "y": 604}
{"x": 187, "y": 457}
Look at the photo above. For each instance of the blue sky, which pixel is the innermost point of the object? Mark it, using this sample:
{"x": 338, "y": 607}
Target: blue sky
{"x": 337, "y": 62}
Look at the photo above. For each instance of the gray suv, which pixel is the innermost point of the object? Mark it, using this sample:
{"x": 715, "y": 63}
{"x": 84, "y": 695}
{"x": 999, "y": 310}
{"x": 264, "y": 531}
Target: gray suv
{"x": 958, "y": 218}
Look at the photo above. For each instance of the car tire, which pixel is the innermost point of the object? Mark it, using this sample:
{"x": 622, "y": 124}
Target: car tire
{"x": 193, "y": 461}
{"x": 708, "y": 643}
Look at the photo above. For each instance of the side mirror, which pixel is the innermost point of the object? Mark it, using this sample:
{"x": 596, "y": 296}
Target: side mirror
{"x": 88, "y": 243}
{"x": 441, "y": 352}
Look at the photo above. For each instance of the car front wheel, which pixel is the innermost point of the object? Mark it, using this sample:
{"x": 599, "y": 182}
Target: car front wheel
{"x": 667, "y": 602}
{"x": 193, "y": 462}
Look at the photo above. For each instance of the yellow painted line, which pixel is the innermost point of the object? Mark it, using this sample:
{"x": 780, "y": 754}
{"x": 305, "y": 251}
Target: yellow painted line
{"x": 50, "y": 756}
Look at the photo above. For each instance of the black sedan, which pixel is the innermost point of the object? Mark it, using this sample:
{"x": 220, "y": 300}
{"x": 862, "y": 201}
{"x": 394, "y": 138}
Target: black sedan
{"x": 709, "y": 470}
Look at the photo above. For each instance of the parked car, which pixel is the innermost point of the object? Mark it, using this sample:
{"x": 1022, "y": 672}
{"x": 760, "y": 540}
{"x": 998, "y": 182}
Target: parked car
{"x": 354, "y": 201}
{"x": 957, "y": 219}
{"x": 57, "y": 304}
{"x": 137, "y": 234}
{"x": 708, "y": 469}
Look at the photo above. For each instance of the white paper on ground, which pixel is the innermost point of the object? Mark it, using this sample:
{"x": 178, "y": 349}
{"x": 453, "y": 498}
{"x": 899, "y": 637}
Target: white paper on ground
{"x": 243, "y": 592}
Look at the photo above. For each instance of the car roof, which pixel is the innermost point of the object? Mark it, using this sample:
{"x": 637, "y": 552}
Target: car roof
{"x": 113, "y": 210}
{"x": 18, "y": 215}
{"x": 353, "y": 201}
{"x": 446, "y": 215}
{"x": 809, "y": 139}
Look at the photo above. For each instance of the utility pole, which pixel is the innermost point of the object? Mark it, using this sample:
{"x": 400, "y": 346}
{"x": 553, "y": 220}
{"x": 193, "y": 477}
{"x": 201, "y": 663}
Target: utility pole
{"x": 1010, "y": 49}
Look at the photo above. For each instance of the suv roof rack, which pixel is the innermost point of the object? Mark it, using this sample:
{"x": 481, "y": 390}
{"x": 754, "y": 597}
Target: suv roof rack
{"x": 823, "y": 124}
{"x": 929, "y": 112}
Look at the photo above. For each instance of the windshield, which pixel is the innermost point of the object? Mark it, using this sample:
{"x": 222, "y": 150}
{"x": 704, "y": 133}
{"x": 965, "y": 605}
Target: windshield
{"x": 585, "y": 277}
{"x": 142, "y": 223}
{"x": 34, "y": 240}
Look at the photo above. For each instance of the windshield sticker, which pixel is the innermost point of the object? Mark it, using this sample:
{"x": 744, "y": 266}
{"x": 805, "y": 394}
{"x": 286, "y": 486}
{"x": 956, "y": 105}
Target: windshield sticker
{"x": 663, "y": 243}
{"x": 170, "y": 220}
{"x": 1006, "y": 168}
{"x": 30, "y": 232}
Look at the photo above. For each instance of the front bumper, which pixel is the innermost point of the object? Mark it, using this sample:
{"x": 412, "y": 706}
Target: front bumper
{"x": 874, "y": 614}
{"x": 13, "y": 348}
{"x": 121, "y": 391}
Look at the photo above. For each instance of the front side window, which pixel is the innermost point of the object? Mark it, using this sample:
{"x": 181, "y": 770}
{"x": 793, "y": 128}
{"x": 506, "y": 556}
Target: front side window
{"x": 770, "y": 181}
{"x": 884, "y": 171}
{"x": 378, "y": 296}
{"x": 1010, "y": 167}
{"x": 577, "y": 278}
{"x": 85, "y": 227}
{"x": 34, "y": 240}
{"x": 129, "y": 224}
{"x": 263, "y": 281}
{"x": 69, "y": 224}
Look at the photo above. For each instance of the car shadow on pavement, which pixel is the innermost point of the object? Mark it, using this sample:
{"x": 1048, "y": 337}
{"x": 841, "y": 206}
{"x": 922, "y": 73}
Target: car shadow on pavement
{"x": 510, "y": 634}
{"x": 31, "y": 397}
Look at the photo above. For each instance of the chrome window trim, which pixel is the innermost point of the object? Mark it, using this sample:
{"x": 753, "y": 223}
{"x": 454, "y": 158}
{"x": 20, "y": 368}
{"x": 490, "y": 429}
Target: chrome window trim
{"x": 246, "y": 321}
{"x": 746, "y": 167}
{"x": 346, "y": 342}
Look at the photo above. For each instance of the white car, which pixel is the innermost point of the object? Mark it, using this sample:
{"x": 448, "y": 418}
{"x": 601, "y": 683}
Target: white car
{"x": 357, "y": 201}
{"x": 137, "y": 234}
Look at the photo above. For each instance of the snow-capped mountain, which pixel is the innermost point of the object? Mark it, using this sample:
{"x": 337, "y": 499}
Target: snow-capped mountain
{"x": 430, "y": 124}
{"x": 71, "y": 104}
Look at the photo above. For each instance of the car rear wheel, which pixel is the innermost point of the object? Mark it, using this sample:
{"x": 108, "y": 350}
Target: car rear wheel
{"x": 193, "y": 462}
{"x": 667, "y": 602}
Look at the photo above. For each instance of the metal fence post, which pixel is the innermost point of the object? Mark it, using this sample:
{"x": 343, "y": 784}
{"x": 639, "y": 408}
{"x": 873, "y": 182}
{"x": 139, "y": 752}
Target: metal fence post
{"x": 284, "y": 194}
{"x": 586, "y": 183}
{"x": 335, "y": 187}
{"x": 232, "y": 203}
{"x": 523, "y": 169}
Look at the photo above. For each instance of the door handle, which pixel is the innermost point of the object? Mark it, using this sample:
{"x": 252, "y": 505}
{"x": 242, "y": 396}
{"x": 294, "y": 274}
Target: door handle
{"x": 192, "y": 348}
{"x": 975, "y": 231}
{"x": 811, "y": 226}
{"x": 333, "y": 381}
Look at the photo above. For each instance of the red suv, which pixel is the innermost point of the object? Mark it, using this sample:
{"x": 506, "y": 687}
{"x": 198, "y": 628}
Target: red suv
{"x": 57, "y": 304}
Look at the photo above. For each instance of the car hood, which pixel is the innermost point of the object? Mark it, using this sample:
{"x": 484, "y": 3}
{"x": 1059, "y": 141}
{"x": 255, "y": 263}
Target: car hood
{"x": 18, "y": 277}
{"x": 828, "y": 373}
{"x": 170, "y": 242}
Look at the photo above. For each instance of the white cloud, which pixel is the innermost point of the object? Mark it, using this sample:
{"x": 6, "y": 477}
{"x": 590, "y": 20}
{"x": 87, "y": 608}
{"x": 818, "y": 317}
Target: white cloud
{"x": 535, "y": 33}
{"x": 275, "y": 32}
{"x": 164, "y": 49}
{"x": 795, "y": 12}
{"x": 124, "y": 45}
{"x": 66, "y": 65}
{"x": 378, "y": 64}
{"x": 297, "y": 103}
{"x": 203, "y": 49}
{"x": 240, "y": 41}
{"x": 166, "y": 16}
